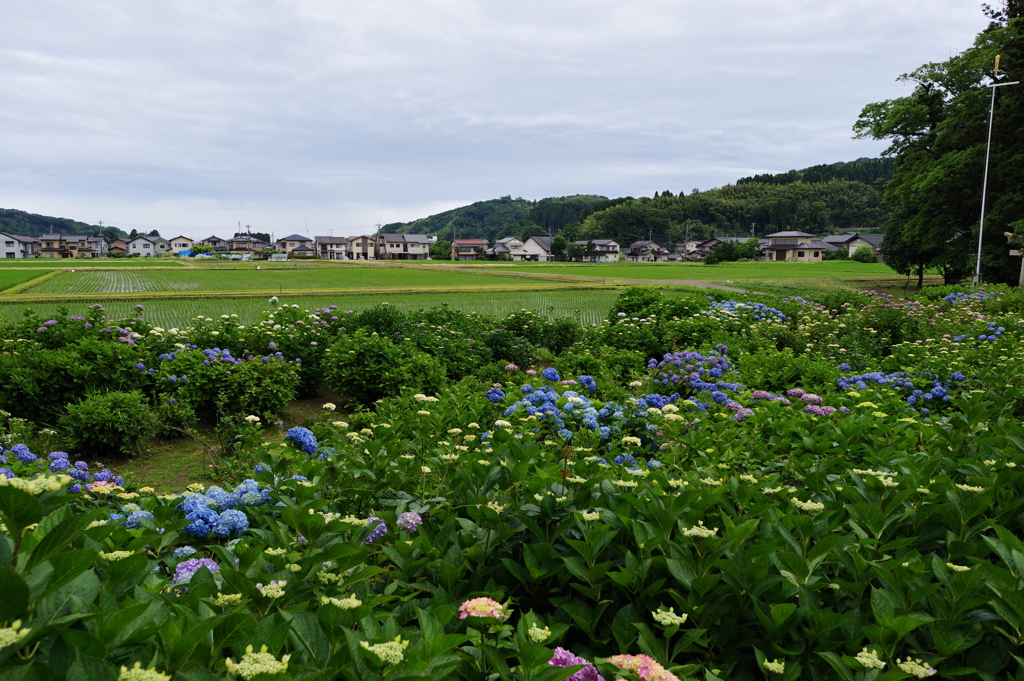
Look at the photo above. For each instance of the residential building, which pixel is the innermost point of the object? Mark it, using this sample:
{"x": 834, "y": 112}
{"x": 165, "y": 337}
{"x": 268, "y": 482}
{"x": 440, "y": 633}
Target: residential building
{"x": 246, "y": 245}
{"x": 119, "y": 246}
{"x": 296, "y": 244}
{"x": 418, "y": 246}
{"x": 509, "y": 248}
{"x": 468, "y": 249}
{"x": 71, "y": 246}
{"x": 851, "y": 241}
{"x": 181, "y": 243}
{"x": 216, "y": 243}
{"x": 148, "y": 246}
{"x": 18, "y": 246}
{"x": 605, "y": 250}
{"x": 646, "y": 251}
{"x": 794, "y": 247}
{"x": 331, "y": 247}
{"x": 537, "y": 248}
{"x": 362, "y": 248}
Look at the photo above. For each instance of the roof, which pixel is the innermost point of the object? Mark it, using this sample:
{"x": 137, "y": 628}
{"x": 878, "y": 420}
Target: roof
{"x": 470, "y": 242}
{"x": 245, "y": 237}
{"x": 331, "y": 239}
{"x": 19, "y": 237}
{"x": 642, "y": 244}
{"x": 542, "y": 240}
{"x": 397, "y": 238}
{"x": 873, "y": 239}
{"x": 788, "y": 233}
{"x": 302, "y": 248}
{"x": 597, "y": 242}
{"x": 295, "y": 237}
{"x": 213, "y": 238}
{"x": 417, "y": 239}
{"x": 180, "y": 236}
{"x": 507, "y": 239}
{"x": 839, "y": 238}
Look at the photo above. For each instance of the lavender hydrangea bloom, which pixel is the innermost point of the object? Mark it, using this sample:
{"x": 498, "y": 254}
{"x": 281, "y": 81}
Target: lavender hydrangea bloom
{"x": 7, "y": 473}
{"x": 53, "y": 456}
{"x": 184, "y": 570}
{"x": 377, "y": 532}
{"x": 563, "y": 658}
{"x": 59, "y": 465}
{"x": 409, "y": 522}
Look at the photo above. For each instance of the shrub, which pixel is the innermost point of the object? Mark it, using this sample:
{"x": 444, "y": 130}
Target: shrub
{"x": 109, "y": 423}
{"x": 864, "y": 254}
{"x": 365, "y": 367}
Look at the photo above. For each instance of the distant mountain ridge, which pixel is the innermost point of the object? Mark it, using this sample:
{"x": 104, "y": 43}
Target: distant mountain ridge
{"x": 15, "y": 221}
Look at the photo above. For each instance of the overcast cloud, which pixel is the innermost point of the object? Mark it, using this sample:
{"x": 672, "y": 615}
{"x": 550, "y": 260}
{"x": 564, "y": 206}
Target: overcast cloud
{"x": 190, "y": 116}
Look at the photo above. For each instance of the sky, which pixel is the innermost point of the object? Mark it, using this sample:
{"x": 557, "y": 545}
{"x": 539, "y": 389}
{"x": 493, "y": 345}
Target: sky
{"x": 328, "y": 116}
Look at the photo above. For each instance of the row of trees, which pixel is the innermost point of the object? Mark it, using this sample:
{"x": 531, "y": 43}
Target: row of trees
{"x": 937, "y": 138}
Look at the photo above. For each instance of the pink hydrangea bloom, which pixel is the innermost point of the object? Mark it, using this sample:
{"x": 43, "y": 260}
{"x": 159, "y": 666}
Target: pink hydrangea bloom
{"x": 646, "y": 667}
{"x": 481, "y": 607}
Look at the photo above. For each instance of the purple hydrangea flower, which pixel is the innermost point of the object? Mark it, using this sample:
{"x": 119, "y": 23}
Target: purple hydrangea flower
{"x": 184, "y": 570}
{"x": 378, "y": 531}
{"x": 563, "y": 658}
{"x": 409, "y": 522}
{"x": 811, "y": 398}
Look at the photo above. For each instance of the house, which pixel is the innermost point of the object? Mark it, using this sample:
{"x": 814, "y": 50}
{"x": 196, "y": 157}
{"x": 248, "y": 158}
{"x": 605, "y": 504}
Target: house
{"x": 792, "y": 246}
{"x": 851, "y": 241}
{"x": 246, "y": 244}
{"x": 296, "y": 244}
{"x": 148, "y": 246}
{"x": 604, "y": 250}
{"x": 119, "y": 246}
{"x": 418, "y": 246}
{"x": 646, "y": 251}
{"x": 181, "y": 243}
{"x": 509, "y": 248}
{"x": 537, "y": 248}
{"x": 71, "y": 246}
{"x": 18, "y": 246}
{"x": 331, "y": 247}
{"x": 216, "y": 243}
{"x": 362, "y": 248}
{"x": 468, "y": 249}
{"x": 403, "y": 247}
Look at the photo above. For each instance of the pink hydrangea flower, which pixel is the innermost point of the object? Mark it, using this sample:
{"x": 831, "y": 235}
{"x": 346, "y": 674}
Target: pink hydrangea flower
{"x": 482, "y": 607}
{"x": 646, "y": 667}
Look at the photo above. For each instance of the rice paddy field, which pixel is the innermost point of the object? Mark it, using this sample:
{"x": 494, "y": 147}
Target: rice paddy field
{"x": 590, "y": 306}
{"x": 192, "y": 280}
{"x": 11, "y": 278}
{"x": 738, "y": 271}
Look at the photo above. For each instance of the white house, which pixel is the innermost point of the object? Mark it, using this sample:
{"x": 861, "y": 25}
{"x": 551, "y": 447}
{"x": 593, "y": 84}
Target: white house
{"x": 537, "y": 248}
{"x": 181, "y": 243}
{"x": 331, "y": 247}
{"x": 146, "y": 246}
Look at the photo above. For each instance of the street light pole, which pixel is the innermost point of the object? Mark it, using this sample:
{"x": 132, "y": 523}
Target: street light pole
{"x": 984, "y": 184}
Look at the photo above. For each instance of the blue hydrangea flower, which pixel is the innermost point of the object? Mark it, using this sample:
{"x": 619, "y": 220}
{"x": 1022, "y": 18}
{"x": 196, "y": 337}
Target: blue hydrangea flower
{"x": 495, "y": 395}
{"x": 551, "y": 374}
{"x": 22, "y": 452}
{"x": 135, "y": 519}
{"x": 183, "y": 551}
{"x": 302, "y": 438}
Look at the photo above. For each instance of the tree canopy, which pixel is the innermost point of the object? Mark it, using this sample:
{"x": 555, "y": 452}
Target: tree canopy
{"x": 937, "y": 137}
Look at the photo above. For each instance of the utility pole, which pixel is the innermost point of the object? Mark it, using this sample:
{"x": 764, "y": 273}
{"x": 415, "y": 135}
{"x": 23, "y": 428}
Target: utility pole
{"x": 988, "y": 148}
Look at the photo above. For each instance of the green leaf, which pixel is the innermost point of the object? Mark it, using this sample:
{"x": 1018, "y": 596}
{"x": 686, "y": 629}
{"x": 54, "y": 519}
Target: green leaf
{"x": 19, "y": 509}
{"x": 182, "y": 648}
{"x": 14, "y": 602}
{"x": 61, "y": 537}
{"x": 308, "y": 636}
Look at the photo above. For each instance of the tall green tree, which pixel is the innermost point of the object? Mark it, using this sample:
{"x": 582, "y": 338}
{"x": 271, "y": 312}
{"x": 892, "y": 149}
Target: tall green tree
{"x": 937, "y": 138}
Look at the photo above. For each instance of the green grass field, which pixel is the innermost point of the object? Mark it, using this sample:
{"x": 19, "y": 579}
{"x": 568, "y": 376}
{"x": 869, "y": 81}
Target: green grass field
{"x": 270, "y": 279}
{"x": 738, "y": 271}
{"x": 14, "y": 277}
{"x": 74, "y": 263}
{"x": 590, "y": 306}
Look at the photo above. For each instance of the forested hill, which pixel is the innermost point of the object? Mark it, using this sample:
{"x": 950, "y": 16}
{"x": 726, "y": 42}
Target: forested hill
{"x": 819, "y": 199}
{"x": 502, "y": 217}
{"x": 29, "y": 224}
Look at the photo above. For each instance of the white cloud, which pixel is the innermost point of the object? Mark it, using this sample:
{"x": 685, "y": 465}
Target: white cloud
{"x": 348, "y": 113}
